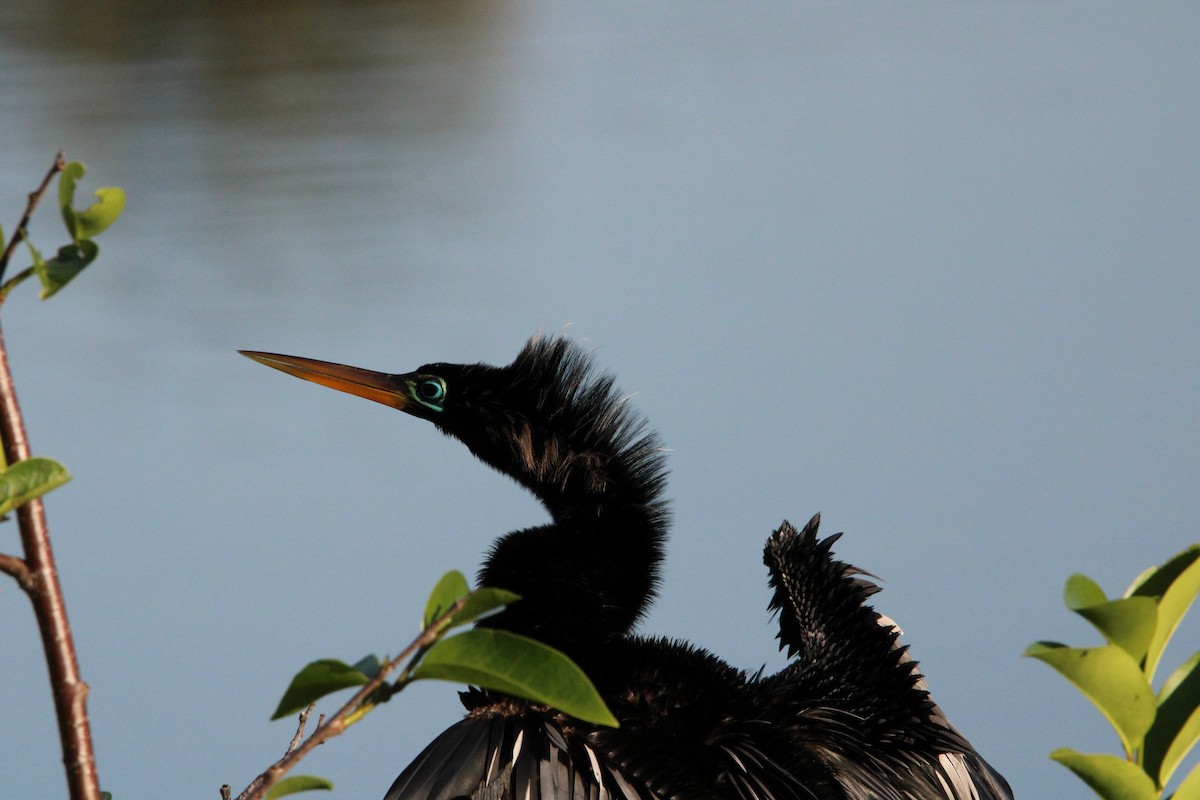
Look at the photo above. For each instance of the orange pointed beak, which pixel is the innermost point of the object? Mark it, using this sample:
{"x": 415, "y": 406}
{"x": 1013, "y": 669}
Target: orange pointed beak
{"x": 377, "y": 386}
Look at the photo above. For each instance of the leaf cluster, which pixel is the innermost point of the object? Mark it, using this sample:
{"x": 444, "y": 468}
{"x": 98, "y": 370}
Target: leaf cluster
{"x": 488, "y": 658}
{"x": 1156, "y": 729}
{"x": 82, "y": 226}
{"x": 32, "y": 477}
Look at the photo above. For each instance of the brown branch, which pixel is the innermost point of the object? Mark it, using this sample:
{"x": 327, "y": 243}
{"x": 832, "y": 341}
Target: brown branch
{"x": 60, "y": 161}
{"x": 45, "y": 593}
{"x": 18, "y": 569}
{"x": 335, "y": 725}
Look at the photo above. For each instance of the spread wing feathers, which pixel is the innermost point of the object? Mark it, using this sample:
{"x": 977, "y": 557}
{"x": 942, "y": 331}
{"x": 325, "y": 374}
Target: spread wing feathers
{"x": 680, "y": 739}
{"x": 525, "y": 757}
{"x": 853, "y": 696}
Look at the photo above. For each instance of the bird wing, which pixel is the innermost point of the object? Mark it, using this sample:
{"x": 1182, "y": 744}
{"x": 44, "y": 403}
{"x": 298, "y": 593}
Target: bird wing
{"x": 853, "y": 693}
{"x": 512, "y": 758}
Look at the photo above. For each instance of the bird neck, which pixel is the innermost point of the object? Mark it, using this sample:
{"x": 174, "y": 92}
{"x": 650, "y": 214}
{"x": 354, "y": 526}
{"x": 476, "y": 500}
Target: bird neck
{"x": 593, "y": 573}
{"x": 581, "y": 583}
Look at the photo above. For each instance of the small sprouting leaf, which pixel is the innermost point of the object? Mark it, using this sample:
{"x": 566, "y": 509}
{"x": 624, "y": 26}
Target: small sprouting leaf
{"x": 83, "y": 225}
{"x": 1176, "y": 727}
{"x": 25, "y": 480}
{"x": 1111, "y": 679}
{"x": 110, "y": 202}
{"x": 297, "y": 783}
{"x": 516, "y": 665}
{"x": 67, "y": 182}
{"x": 69, "y": 262}
{"x": 1176, "y": 584}
{"x": 1112, "y": 777}
{"x": 315, "y": 681}
{"x": 449, "y": 590}
{"x": 1082, "y": 592}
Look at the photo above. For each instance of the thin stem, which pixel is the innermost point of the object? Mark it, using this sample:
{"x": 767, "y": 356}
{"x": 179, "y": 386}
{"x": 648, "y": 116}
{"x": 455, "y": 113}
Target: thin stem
{"x": 328, "y": 728}
{"x": 60, "y": 161}
{"x": 18, "y": 569}
{"x": 45, "y": 593}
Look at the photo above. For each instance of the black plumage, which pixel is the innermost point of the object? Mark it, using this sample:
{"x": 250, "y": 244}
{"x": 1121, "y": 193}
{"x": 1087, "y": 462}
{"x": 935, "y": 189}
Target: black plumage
{"x": 849, "y": 717}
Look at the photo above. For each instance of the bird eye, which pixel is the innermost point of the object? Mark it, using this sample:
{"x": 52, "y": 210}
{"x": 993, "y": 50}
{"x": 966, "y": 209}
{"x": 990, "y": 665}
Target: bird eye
{"x": 431, "y": 390}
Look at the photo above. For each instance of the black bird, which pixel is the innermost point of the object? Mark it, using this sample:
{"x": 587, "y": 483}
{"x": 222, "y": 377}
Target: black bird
{"x": 849, "y": 718}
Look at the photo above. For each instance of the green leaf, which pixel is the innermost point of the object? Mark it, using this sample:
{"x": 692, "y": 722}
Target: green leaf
{"x": 1190, "y": 788}
{"x": 1176, "y": 584}
{"x": 1082, "y": 592}
{"x": 67, "y": 182}
{"x": 1111, "y": 679}
{"x": 297, "y": 783}
{"x": 1110, "y": 776}
{"x": 110, "y": 202}
{"x": 369, "y": 665}
{"x": 480, "y": 602}
{"x": 1176, "y": 727}
{"x": 1128, "y": 622}
{"x": 1154, "y": 581}
{"x": 81, "y": 225}
{"x": 515, "y": 665}
{"x": 27, "y": 479}
{"x": 449, "y": 590}
{"x": 314, "y": 682}
{"x": 453, "y": 587}
{"x": 69, "y": 262}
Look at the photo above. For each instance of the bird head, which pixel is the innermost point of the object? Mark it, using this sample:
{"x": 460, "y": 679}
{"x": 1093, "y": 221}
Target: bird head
{"x": 448, "y": 395}
{"x": 547, "y": 419}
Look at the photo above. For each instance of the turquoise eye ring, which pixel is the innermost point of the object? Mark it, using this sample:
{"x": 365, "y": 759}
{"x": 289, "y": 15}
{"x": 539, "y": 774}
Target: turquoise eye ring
{"x": 431, "y": 391}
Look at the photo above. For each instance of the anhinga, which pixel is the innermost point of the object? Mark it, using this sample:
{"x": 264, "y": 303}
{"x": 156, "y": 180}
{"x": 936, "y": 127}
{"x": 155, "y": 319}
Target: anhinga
{"x": 850, "y": 717}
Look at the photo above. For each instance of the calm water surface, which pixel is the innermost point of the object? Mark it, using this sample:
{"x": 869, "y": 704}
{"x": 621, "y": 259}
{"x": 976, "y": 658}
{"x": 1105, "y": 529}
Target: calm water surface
{"x": 929, "y": 271}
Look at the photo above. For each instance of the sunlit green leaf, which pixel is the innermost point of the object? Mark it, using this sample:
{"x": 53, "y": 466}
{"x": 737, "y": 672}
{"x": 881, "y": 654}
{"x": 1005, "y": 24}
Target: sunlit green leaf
{"x": 1176, "y": 728}
{"x": 81, "y": 225}
{"x": 1081, "y": 592}
{"x": 67, "y": 182}
{"x": 1189, "y": 789}
{"x": 315, "y": 681}
{"x": 27, "y": 479}
{"x": 1128, "y": 622}
{"x": 297, "y": 783}
{"x": 1153, "y": 581}
{"x": 110, "y": 202}
{"x": 518, "y": 666}
{"x": 69, "y": 262}
{"x": 1176, "y": 583}
{"x": 450, "y": 588}
{"x": 1112, "y": 778}
{"x": 1111, "y": 679}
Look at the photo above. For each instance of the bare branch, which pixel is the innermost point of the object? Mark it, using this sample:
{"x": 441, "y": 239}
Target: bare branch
{"x": 18, "y": 235}
{"x": 327, "y": 729}
{"x": 18, "y": 569}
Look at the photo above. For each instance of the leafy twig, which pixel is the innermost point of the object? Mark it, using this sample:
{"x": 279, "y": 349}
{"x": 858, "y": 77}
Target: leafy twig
{"x": 37, "y": 575}
{"x": 334, "y": 725}
{"x": 18, "y": 236}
